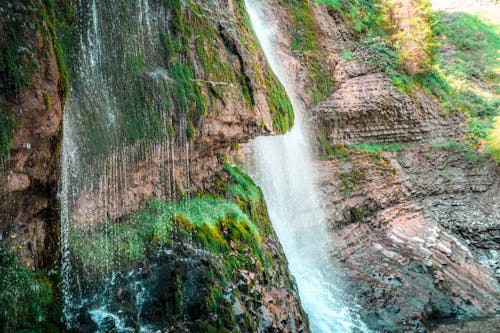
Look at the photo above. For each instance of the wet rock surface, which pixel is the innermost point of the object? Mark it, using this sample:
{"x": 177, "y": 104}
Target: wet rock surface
{"x": 185, "y": 288}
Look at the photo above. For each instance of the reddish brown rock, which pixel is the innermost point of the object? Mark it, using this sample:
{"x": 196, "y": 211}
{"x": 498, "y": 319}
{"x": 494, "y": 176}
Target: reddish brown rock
{"x": 28, "y": 180}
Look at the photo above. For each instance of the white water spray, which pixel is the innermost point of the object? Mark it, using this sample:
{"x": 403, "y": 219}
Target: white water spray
{"x": 283, "y": 169}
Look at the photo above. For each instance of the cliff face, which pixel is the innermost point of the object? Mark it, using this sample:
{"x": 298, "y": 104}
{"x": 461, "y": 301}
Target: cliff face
{"x": 30, "y": 101}
{"x": 414, "y": 224}
{"x": 158, "y": 93}
{"x": 192, "y": 95}
{"x": 416, "y": 232}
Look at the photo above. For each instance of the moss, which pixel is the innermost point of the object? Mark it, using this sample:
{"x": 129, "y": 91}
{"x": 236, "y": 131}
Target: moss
{"x": 350, "y": 180}
{"x": 16, "y": 67}
{"x": 7, "y": 129}
{"x": 279, "y": 105}
{"x": 49, "y": 17}
{"x": 46, "y": 100}
{"x": 189, "y": 131}
{"x": 27, "y": 299}
{"x": 324, "y": 144}
{"x": 202, "y": 218}
{"x": 304, "y": 43}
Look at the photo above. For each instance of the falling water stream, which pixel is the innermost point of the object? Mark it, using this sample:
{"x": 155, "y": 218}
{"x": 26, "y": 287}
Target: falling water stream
{"x": 118, "y": 56}
{"x": 283, "y": 169}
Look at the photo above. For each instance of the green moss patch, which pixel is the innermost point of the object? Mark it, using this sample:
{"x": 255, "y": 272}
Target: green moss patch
{"x": 111, "y": 245}
{"x": 304, "y": 43}
{"x": 27, "y": 299}
{"x": 7, "y": 128}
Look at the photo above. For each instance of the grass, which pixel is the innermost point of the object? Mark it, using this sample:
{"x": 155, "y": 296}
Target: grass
{"x": 374, "y": 149}
{"x": 368, "y": 147}
{"x": 493, "y": 140}
{"x": 26, "y": 299}
{"x": 463, "y": 148}
{"x": 110, "y": 245}
{"x": 452, "y": 78}
{"x": 476, "y": 44}
{"x": 304, "y": 44}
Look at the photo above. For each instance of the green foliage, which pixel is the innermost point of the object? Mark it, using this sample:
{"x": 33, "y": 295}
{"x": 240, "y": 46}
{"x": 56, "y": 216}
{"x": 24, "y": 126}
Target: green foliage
{"x": 26, "y": 299}
{"x": 493, "y": 141}
{"x": 7, "y": 128}
{"x": 200, "y": 217}
{"x": 360, "y": 16}
{"x": 477, "y": 42}
{"x": 462, "y": 148}
{"x": 279, "y": 104}
{"x": 49, "y": 16}
{"x": 304, "y": 42}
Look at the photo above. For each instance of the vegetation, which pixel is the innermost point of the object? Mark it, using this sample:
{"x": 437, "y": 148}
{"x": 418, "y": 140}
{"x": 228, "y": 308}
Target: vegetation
{"x": 209, "y": 220}
{"x": 471, "y": 74}
{"x": 16, "y": 69}
{"x": 49, "y": 17}
{"x": 279, "y": 104}
{"x": 304, "y": 43}
{"x": 463, "y": 148}
{"x": 229, "y": 224}
{"x": 7, "y": 127}
{"x": 200, "y": 218}
{"x": 374, "y": 149}
{"x": 27, "y": 300}
{"x": 454, "y": 79}
{"x": 350, "y": 180}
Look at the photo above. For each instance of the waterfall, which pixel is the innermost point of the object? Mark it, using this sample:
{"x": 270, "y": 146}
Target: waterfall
{"x": 283, "y": 169}
{"x": 118, "y": 118}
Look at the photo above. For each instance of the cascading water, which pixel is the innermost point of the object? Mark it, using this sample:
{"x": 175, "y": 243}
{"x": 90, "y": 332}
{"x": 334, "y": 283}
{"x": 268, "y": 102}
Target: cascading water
{"x": 118, "y": 114}
{"x": 283, "y": 169}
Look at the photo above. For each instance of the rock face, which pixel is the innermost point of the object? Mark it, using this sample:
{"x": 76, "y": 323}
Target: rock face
{"x": 397, "y": 222}
{"x": 415, "y": 231}
{"x": 367, "y": 107}
{"x": 237, "y": 106}
{"x": 217, "y": 276}
{"x": 28, "y": 178}
{"x": 180, "y": 289}
{"x": 160, "y": 91}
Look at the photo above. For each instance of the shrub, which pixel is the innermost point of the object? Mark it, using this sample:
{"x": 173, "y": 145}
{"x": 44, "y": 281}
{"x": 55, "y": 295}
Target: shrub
{"x": 26, "y": 299}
